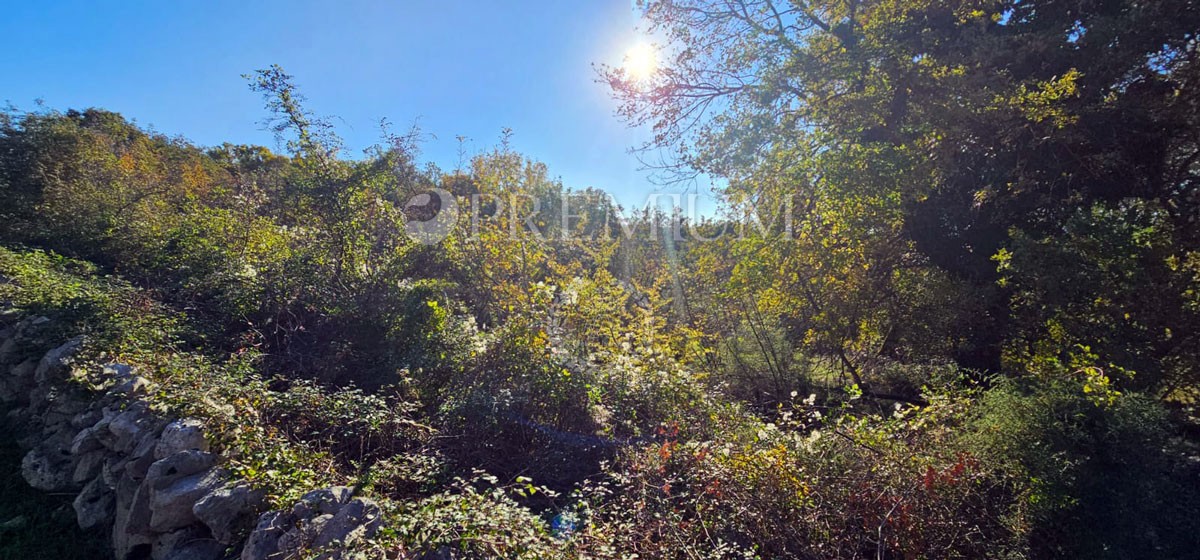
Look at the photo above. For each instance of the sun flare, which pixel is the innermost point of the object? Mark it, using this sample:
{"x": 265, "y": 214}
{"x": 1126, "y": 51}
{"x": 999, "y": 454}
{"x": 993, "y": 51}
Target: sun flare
{"x": 641, "y": 62}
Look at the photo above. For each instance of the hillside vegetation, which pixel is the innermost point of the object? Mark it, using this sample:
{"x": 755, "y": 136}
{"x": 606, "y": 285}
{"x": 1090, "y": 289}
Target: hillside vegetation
{"x": 962, "y": 320}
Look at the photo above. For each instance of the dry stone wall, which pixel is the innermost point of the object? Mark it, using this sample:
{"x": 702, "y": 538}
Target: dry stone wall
{"x": 152, "y": 481}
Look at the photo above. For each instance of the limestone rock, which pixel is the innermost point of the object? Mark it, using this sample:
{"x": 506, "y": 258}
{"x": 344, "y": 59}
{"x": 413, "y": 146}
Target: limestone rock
{"x": 114, "y": 471}
{"x": 87, "y": 419}
{"x": 69, "y": 404}
{"x": 126, "y": 538}
{"x": 359, "y": 519}
{"x": 300, "y": 538}
{"x": 325, "y": 500}
{"x": 102, "y": 433}
{"x": 128, "y": 427}
{"x": 89, "y": 466}
{"x": 171, "y": 507}
{"x": 142, "y": 456}
{"x": 164, "y": 543}
{"x": 8, "y": 350}
{"x": 263, "y": 543}
{"x": 137, "y": 520}
{"x": 158, "y": 491}
{"x": 125, "y": 488}
{"x": 57, "y": 361}
{"x": 131, "y": 528}
{"x": 9, "y": 392}
{"x": 181, "y": 435}
{"x": 48, "y": 468}
{"x": 323, "y": 521}
{"x": 85, "y": 441}
{"x": 200, "y": 549}
{"x": 228, "y": 510}
{"x": 24, "y": 370}
{"x": 192, "y": 543}
{"x": 94, "y": 505}
{"x": 164, "y": 472}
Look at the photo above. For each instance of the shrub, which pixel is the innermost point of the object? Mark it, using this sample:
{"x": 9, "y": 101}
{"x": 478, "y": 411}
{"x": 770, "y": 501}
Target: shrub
{"x": 1098, "y": 472}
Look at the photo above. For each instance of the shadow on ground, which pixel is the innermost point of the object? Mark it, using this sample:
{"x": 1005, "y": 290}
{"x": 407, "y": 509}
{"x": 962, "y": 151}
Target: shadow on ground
{"x": 35, "y": 524}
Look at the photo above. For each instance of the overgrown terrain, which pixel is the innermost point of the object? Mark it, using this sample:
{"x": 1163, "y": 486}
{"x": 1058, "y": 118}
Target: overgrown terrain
{"x": 962, "y": 323}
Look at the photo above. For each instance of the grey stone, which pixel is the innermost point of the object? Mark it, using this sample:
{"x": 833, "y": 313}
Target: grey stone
{"x": 165, "y": 472}
{"x": 171, "y": 507}
{"x": 70, "y": 403}
{"x": 17, "y": 416}
{"x": 263, "y": 543}
{"x": 168, "y": 542}
{"x": 24, "y": 370}
{"x": 324, "y": 500}
{"x": 86, "y": 419}
{"x": 323, "y": 521}
{"x": 142, "y": 456}
{"x": 57, "y": 361}
{"x": 125, "y": 424}
{"x": 114, "y": 470}
{"x": 300, "y": 538}
{"x": 85, "y": 441}
{"x": 89, "y": 466}
{"x": 39, "y": 396}
{"x": 9, "y": 391}
{"x": 180, "y": 435}
{"x": 125, "y": 381}
{"x": 8, "y": 350}
{"x": 137, "y": 521}
{"x": 48, "y": 468}
{"x": 136, "y": 385}
{"x": 125, "y": 488}
{"x": 359, "y": 519}
{"x": 200, "y": 549}
{"x": 53, "y": 420}
{"x": 94, "y": 505}
{"x": 126, "y": 533}
{"x": 101, "y": 423}
{"x": 229, "y": 510}
{"x": 129, "y": 426}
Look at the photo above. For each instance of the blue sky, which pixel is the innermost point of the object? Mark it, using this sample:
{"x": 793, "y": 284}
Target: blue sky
{"x": 455, "y": 68}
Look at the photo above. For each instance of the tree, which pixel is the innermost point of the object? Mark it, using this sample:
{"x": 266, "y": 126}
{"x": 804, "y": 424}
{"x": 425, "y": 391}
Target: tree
{"x": 923, "y": 136}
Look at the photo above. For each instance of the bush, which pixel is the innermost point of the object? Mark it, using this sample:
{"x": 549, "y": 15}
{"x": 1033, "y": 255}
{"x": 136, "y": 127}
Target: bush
{"x": 1098, "y": 472}
{"x": 822, "y": 484}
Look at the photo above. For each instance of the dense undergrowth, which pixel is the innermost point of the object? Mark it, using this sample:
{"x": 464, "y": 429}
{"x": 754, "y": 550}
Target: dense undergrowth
{"x": 973, "y": 472}
{"x": 958, "y": 346}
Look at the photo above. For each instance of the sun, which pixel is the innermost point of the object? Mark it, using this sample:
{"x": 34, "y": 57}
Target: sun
{"x": 641, "y": 62}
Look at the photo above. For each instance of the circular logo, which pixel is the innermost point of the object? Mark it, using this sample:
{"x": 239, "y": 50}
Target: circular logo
{"x": 430, "y": 216}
